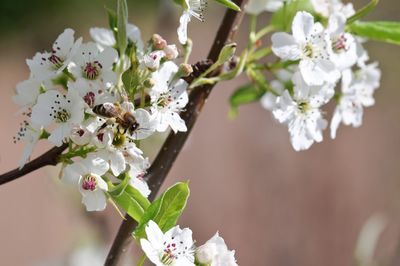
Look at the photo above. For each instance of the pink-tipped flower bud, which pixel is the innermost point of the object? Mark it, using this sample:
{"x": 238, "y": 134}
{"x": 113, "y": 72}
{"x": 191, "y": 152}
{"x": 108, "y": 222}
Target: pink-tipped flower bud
{"x": 158, "y": 42}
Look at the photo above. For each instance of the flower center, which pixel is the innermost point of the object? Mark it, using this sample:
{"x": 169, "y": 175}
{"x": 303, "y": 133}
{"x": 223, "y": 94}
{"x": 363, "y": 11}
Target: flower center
{"x": 339, "y": 44}
{"x": 89, "y": 182}
{"x": 164, "y": 100}
{"x": 89, "y": 98}
{"x": 168, "y": 256}
{"x": 92, "y": 70}
{"x": 80, "y": 132}
{"x": 119, "y": 140}
{"x": 308, "y": 50}
{"x": 303, "y": 107}
{"x": 56, "y": 61}
{"x": 62, "y": 116}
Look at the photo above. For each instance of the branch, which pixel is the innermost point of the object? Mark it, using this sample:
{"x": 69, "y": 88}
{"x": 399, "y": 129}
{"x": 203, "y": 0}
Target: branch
{"x": 48, "y": 158}
{"x": 174, "y": 143}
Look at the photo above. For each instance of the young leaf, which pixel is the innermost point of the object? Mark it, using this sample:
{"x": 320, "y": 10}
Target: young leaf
{"x": 363, "y": 11}
{"x": 243, "y": 95}
{"x": 229, "y": 4}
{"x": 385, "y": 31}
{"x": 132, "y": 202}
{"x": 166, "y": 210}
{"x": 282, "y": 19}
{"x": 226, "y": 54}
{"x": 182, "y": 3}
{"x": 122, "y": 20}
{"x": 112, "y": 19}
{"x": 117, "y": 190}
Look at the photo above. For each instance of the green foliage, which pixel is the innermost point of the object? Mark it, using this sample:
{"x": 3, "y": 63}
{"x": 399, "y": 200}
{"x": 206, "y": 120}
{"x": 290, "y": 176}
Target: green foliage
{"x": 122, "y": 20}
{"x": 166, "y": 210}
{"x": 243, "y": 95}
{"x": 224, "y": 56}
{"x": 130, "y": 200}
{"x": 363, "y": 11}
{"x": 384, "y": 31}
{"x": 182, "y": 3}
{"x": 282, "y": 19}
{"x": 229, "y": 4}
{"x": 117, "y": 190}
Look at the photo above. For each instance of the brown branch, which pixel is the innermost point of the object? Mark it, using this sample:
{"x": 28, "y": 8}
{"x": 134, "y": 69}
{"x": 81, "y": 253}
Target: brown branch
{"x": 48, "y": 158}
{"x": 174, "y": 143}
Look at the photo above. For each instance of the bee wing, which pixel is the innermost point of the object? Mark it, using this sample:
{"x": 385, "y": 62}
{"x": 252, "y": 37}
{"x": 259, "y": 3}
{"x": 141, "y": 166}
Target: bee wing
{"x": 108, "y": 110}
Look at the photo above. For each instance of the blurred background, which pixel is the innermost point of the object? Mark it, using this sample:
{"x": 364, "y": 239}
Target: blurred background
{"x": 274, "y": 206}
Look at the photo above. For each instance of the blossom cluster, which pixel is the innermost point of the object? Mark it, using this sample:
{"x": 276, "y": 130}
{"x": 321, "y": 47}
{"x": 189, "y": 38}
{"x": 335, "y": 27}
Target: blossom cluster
{"x": 324, "y": 62}
{"x": 176, "y": 247}
{"x": 75, "y": 96}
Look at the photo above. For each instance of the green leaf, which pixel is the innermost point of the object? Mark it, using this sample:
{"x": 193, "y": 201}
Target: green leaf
{"x": 122, "y": 20}
{"x": 384, "y": 31}
{"x": 182, "y": 3}
{"x": 166, "y": 210}
{"x": 117, "y": 190}
{"x": 112, "y": 19}
{"x": 229, "y": 4}
{"x": 243, "y": 95}
{"x": 282, "y": 19}
{"x": 132, "y": 202}
{"x": 130, "y": 79}
{"x": 363, "y": 11}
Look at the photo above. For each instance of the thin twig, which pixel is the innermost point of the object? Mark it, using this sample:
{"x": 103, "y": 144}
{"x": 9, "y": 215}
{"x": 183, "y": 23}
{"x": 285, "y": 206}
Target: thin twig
{"x": 174, "y": 143}
{"x": 48, "y": 158}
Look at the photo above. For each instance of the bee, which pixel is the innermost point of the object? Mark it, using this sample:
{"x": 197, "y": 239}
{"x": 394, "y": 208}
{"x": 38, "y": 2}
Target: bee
{"x": 115, "y": 113}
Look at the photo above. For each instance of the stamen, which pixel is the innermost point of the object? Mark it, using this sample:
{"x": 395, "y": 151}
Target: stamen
{"x": 92, "y": 70}
{"x": 89, "y": 183}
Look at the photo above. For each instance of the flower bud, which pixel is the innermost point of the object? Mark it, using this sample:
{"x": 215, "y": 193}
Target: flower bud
{"x": 226, "y": 53}
{"x": 152, "y": 60}
{"x": 171, "y": 52}
{"x": 149, "y": 83}
{"x": 158, "y": 42}
{"x": 185, "y": 70}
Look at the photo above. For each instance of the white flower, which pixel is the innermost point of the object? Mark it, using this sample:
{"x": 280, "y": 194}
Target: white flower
{"x": 87, "y": 174}
{"x": 46, "y": 66}
{"x": 65, "y": 111}
{"x": 137, "y": 170}
{"x": 84, "y": 133}
{"x": 301, "y": 112}
{"x": 357, "y": 92}
{"x": 195, "y": 9}
{"x": 255, "y": 7}
{"x": 311, "y": 45}
{"x": 269, "y": 99}
{"x": 27, "y": 92}
{"x": 344, "y": 46}
{"x": 174, "y": 248}
{"x": 30, "y": 135}
{"x": 145, "y": 125}
{"x": 116, "y": 148}
{"x": 153, "y": 59}
{"x": 215, "y": 253}
{"x": 327, "y": 7}
{"x": 105, "y": 37}
{"x": 95, "y": 66}
{"x": 168, "y": 98}
{"x": 92, "y": 93}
